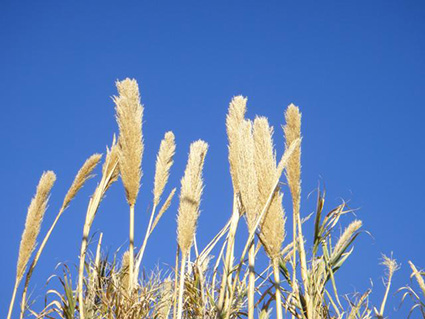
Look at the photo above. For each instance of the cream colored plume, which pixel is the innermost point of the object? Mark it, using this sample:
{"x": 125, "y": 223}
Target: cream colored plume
{"x": 292, "y": 131}
{"x": 190, "y": 195}
{"x": 246, "y": 173}
{"x": 82, "y": 176}
{"x": 129, "y": 114}
{"x": 346, "y": 236}
{"x": 164, "y": 161}
{"x": 273, "y": 226}
{"x": 234, "y": 122}
{"x": 33, "y": 221}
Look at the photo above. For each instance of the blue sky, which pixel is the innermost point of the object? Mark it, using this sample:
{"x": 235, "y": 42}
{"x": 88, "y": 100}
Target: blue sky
{"x": 355, "y": 68}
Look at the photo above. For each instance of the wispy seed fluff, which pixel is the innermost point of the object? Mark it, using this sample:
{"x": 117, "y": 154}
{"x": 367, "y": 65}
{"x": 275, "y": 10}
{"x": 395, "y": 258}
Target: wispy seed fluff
{"x": 33, "y": 221}
{"x": 129, "y": 114}
{"x": 391, "y": 265}
{"x": 292, "y": 131}
{"x": 247, "y": 175}
{"x": 82, "y": 176}
{"x": 273, "y": 226}
{"x": 234, "y": 122}
{"x": 190, "y": 195}
{"x": 164, "y": 161}
{"x": 346, "y": 236}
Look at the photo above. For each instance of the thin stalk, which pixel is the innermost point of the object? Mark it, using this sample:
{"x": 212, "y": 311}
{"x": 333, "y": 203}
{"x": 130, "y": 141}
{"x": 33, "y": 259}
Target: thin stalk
{"x": 176, "y": 271}
{"x": 34, "y": 262}
{"x": 81, "y": 270}
{"x": 294, "y": 239}
{"x": 251, "y": 282}
{"x": 181, "y": 287}
{"x": 12, "y": 302}
{"x": 229, "y": 253}
{"x": 131, "y": 249}
{"x": 250, "y": 242}
{"x": 278, "y": 296}
{"x": 384, "y": 301}
{"x": 303, "y": 264}
{"x": 145, "y": 241}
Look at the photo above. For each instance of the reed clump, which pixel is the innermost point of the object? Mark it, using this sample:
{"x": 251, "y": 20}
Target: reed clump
{"x": 298, "y": 280}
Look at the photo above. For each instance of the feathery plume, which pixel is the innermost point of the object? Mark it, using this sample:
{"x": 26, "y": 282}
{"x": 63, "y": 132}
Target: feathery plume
{"x": 248, "y": 188}
{"x": 80, "y": 179}
{"x": 35, "y": 216}
{"x": 292, "y": 131}
{"x": 129, "y": 113}
{"x": 190, "y": 195}
{"x": 234, "y": 122}
{"x": 164, "y": 161}
{"x": 247, "y": 177}
{"x": 188, "y": 213}
{"x": 346, "y": 236}
{"x": 391, "y": 264}
{"x": 273, "y": 226}
{"x": 82, "y": 176}
{"x": 33, "y": 221}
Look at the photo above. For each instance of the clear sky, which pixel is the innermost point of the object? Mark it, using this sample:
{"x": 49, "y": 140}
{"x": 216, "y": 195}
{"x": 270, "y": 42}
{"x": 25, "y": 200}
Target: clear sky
{"x": 355, "y": 68}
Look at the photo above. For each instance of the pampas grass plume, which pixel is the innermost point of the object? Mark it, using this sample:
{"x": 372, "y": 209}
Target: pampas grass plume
{"x": 35, "y": 216}
{"x": 246, "y": 173}
{"x": 164, "y": 161}
{"x": 129, "y": 114}
{"x": 273, "y": 226}
{"x": 82, "y": 176}
{"x": 234, "y": 121}
{"x": 190, "y": 195}
{"x": 292, "y": 131}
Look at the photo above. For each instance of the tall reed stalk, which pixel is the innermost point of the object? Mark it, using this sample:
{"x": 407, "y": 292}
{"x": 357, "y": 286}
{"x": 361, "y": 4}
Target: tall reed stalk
{"x": 188, "y": 212}
{"x": 129, "y": 114}
{"x": 35, "y": 215}
{"x": 109, "y": 176}
{"x": 164, "y": 161}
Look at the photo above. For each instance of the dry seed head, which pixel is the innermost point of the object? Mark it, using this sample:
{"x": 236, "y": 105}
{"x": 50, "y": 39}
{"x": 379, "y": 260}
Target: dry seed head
{"x": 129, "y": 113}
{"x": 82, "y": 176}
{"x": 391, "y": 265}
{"x": 265, "y": 158}
{"x": 164, "y": 161}
{"x": 273, "y": 226}
{"x": 346, "y": 236}
{"x": 247, "y": 176}
{"x": 292, "y": 131}
{"x": 33, "y": 221}
{"x": 190, "y": 195}
{"x": 234, "y": 121}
